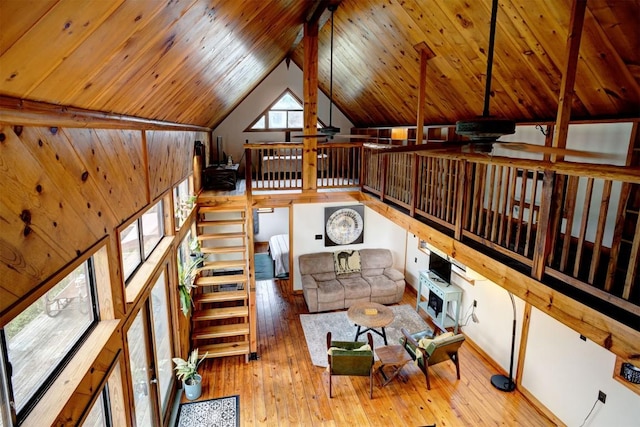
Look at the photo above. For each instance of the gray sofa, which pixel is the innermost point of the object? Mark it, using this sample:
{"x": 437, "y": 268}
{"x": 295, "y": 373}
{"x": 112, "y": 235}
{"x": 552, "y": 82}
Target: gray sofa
{"x": 325, "y": 290}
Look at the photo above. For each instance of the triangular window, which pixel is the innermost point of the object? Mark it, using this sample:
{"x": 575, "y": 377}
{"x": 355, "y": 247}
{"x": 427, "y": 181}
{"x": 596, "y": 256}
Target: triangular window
{"x": 284, "y": 114}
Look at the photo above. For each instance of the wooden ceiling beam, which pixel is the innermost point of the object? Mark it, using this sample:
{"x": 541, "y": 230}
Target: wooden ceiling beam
{"x": 572, "y": 51}
{"x": 32, "y": 113}
{"x": 425, "y": 55}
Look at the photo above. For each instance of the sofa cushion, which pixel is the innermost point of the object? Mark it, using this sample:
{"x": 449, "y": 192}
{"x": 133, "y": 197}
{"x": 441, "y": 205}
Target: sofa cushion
{"x": 320, "y": 262}
{"x": 372, "y": 272}
{"x": 376, "y": 258}
{"x": 323, "y": 277}
{"x": 381, "y": 285}
{"x": 355, "y": 288}
{"x": 329, "y": 291}
{"x": 393, "y": 274}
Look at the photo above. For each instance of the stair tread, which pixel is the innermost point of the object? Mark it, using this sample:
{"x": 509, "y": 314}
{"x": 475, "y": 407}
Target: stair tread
{"x": 208, "y": 236}
{"x": 224, "y": 249}
{"x": 219, "y": 222}
{"x": 221, "y": 313}
{"x": 221, "y": 296}
{"x": 221, "y": 280}
{"x": 238, "y": 208}
{"x": 219, "y": 331}
{"x": 225, "y": 349}
{"x": 234, "y": 263}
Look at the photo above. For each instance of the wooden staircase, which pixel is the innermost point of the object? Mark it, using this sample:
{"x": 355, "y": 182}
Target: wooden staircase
{"x": 221, "y": 320}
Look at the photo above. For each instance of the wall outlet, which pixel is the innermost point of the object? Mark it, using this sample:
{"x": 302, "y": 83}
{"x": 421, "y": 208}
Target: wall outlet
{"x": 318, "y": 236}
{"x": 415, "y": 260}
{"x": 602, "y": 397}
{"x": 475, "y": 303}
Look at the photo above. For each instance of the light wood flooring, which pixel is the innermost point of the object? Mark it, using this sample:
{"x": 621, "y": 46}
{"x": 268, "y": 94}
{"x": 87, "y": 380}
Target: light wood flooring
{"x": 283, "y": 388}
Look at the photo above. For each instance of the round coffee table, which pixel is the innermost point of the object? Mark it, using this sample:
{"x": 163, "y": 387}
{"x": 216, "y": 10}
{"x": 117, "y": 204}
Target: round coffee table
{"x": 370, "y": 315}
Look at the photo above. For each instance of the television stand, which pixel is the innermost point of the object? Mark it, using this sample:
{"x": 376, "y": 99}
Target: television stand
{"x": 441, "y": 299}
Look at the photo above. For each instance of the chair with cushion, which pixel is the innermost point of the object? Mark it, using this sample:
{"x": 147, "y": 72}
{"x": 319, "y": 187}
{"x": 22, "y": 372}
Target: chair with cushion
{"x": 350, "y": 358}
{"x": 428, "y": 350}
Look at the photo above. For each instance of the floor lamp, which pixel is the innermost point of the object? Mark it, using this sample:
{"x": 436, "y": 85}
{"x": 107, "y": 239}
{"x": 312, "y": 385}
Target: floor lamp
{"x": 500, "y": 381}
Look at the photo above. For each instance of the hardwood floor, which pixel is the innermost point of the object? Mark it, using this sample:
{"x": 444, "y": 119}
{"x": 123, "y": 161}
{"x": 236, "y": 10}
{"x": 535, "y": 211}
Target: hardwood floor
{"x": 283, "y": 388}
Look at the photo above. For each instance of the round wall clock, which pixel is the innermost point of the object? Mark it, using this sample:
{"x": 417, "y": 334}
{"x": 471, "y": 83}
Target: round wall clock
{"x": 344, "y": 225}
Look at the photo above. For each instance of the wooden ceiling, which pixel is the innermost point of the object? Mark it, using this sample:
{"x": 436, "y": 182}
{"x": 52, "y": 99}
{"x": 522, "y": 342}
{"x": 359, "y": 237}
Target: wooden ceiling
{"x": 193, "y": 61}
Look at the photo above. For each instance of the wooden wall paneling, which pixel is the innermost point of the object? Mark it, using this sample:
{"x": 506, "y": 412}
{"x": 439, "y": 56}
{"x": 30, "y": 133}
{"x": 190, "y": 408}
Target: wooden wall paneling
{"x": 170, "y": 156}
{"x": 12, "y": 28}
{"x": 115, "y": 158}
{"x": 102, "y": 46}
{"x": 61, "y": 30}
{"x": 106, "y": 75}
{"x": 48, "y": 209}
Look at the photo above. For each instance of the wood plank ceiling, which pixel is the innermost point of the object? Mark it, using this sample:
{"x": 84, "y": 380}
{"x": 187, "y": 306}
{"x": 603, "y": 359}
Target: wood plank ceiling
{"x": 193, "y": 61}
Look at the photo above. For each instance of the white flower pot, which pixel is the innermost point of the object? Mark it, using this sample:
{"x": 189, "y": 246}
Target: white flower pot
{"x": 193, "y": 390}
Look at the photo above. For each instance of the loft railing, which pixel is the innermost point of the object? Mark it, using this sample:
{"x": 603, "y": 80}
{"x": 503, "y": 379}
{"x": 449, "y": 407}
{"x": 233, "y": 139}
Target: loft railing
{"x": 578, "y": 223}
{"x": 281, "y": 166}
{"x": 574, "y": 222}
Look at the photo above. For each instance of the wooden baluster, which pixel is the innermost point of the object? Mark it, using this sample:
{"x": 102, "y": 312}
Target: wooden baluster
{"x": 570, "y": 209}
{"x": 540, "y": 248}
{"x": 512, "y": 195}
{"x": 602, "y": 219}
{"x": 583, "y": 226}
{"x": 532, "y": 209}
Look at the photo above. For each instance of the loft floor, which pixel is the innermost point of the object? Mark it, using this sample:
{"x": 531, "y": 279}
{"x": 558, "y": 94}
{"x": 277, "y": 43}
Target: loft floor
{"x": 283, "y": 388}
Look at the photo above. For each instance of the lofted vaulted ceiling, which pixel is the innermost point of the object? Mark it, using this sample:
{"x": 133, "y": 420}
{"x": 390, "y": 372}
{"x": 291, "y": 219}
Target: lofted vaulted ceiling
{"x": 193, "y": 61}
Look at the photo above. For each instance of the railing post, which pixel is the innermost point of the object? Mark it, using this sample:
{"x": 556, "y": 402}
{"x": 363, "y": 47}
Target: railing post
{"x": 414, "y": 185}
{"x": 247, "y": 170}
{"x": 383, "y": 176}
{"x": 463, "y": 188}
{"x": 544, "y": 234}
{"x": 362, "y": 167}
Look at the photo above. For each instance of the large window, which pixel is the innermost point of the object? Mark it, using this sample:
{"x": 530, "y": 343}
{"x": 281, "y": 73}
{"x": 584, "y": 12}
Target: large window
{"x": 38, "y": 342}
{"x": 284, "y": 114}
{"x": 139, "y": 238}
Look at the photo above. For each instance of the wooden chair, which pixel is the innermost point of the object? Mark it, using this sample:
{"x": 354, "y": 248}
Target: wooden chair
{"x": 441, "y": 348}
{"x": 345, "y": 358}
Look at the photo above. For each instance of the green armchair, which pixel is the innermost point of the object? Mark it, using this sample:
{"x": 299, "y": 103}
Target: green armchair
{"x": 350, "y": 358}
{"x": 430, "y": 350}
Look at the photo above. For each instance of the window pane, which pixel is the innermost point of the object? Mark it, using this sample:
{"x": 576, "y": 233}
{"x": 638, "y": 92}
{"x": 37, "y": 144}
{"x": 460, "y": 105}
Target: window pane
{"x": 277, "y": 119}
{"x": 182, "y": 203}
{"x": 152, "y": 228}
{"x": 130, "y": 247}
{"x": 40, "y": 337}
{"x": 138, "y": 362}
{"x": 162, "y": 334}
{"x": 96, "y": 417}
{"x": 287, "y": 102}
{"x": 259, "y": 124}
{"x": 295, "y": 120}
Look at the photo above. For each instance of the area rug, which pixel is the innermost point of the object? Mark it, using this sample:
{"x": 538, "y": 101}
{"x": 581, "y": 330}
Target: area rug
{"x": 221, "y": 412}
{"x": 316, "y": 326}
{"x": 263, "y": 266}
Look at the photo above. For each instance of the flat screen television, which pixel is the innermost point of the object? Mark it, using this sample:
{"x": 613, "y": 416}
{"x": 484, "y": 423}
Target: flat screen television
{"x": 440, "y": 266}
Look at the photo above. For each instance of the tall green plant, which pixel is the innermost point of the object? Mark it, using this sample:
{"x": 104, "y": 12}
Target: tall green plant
{"x": 186, "y": 277}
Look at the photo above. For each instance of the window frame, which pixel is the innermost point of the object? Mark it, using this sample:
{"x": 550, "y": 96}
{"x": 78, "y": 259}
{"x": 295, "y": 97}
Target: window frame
{"x": 264, "y": 115}
{"x": 18, "y": 417}
{"x": 140, "y": 238}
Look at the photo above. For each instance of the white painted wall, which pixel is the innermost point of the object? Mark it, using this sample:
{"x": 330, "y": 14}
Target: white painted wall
{"x": 232, "y": 128}
{"x": 565, "y": 374}
{"x": 276, "y": 222}
{"x": 379, "y": 232}
{"x": 416, "y": 261}
{"x": 561, "y": 371}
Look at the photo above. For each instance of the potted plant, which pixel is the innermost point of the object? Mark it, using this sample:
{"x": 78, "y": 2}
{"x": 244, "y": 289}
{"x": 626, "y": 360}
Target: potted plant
{"x": 186, "y": 275}
{"x": 187, "y": 372}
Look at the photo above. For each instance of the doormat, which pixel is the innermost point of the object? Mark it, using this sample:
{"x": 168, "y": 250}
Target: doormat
{"x": 316, "y": 326}
{"x": 221, "y": 412}
{"x": 264, "y": 266}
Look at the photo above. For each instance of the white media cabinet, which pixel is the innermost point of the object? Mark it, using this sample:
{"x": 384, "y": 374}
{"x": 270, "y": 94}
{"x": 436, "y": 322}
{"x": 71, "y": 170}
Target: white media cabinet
{"x": 442, "y": 300}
